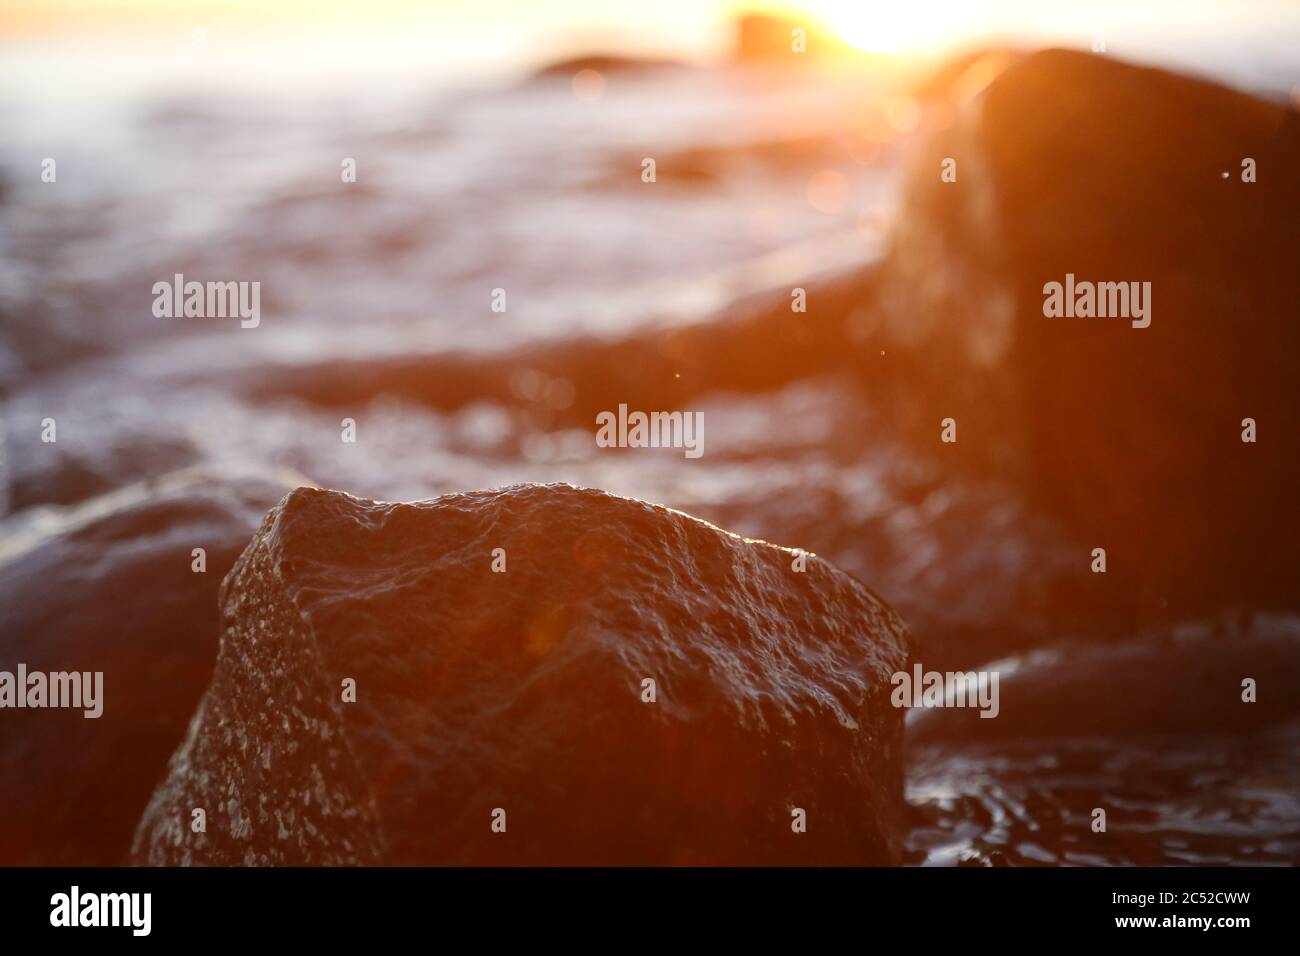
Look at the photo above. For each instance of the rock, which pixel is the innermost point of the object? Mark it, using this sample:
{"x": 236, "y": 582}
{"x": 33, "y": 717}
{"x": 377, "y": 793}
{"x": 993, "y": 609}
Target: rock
{"x": 523, "y": 691}
{"x": 1152, "y": 730}
{"x": 959, "y": 77}
{"x": 1188, "y": 681}
{"x": 607, "y": 64}
{"x": 1082, "y": 165}
{"x": 70, "y": 471}
{"x": 107, "y": 586}
{"x": 768, "y": 39}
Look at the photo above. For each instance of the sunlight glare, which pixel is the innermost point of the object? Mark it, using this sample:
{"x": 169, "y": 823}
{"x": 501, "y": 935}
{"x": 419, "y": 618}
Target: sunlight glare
{"x": 874, "y": 26}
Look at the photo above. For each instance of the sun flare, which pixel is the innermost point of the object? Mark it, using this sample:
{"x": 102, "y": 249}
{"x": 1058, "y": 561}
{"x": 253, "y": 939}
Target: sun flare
{"x": 883, "y": 27}
{"x": 872, "y": 30}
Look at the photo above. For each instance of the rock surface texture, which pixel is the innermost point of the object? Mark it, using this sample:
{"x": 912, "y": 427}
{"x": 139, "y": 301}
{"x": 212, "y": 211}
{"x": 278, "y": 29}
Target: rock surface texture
{"x": 524, "y": 691}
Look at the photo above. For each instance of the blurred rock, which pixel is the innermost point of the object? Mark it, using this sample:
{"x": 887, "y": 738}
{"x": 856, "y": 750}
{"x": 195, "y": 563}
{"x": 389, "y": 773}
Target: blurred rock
{"x": 523, "y": 691}
{"x": 107, "y": 586}
{"x": 71, "y": 470}
{"x": 1153, "y": 730}
{"x": 1189, "y": 680}
{"x": 764, "y": 38}
{"x": 961, "y": 76}
{"x": 606, "y": 64}
{"x": 1077, "y": 164}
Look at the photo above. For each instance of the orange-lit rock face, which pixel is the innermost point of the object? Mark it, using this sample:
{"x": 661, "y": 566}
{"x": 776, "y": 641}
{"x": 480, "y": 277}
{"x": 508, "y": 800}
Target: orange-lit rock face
{"x": 523, "y": 690}
{"x": 1077, "y": 164}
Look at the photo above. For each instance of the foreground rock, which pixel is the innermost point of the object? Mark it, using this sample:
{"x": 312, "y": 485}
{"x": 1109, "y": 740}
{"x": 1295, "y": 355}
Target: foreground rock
{"x": 1070, "y": 164}
{"x": 108, "y": 586}
{"x": 524, "y": 691}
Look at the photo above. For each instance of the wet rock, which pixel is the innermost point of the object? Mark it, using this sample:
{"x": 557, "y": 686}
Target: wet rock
{"x": 1187, "y": 681}
{"x": 107, "y": 586}
{"x": 69, "y": 470}
{"x": 1070, "y": 164}
{"x": 1191, "y": 764}
{"x": 524, "y": 691}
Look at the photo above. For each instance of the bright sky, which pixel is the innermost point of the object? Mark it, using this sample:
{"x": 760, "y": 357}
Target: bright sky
{"x": 874, "y": 22}
{"x": 466, "y": 33}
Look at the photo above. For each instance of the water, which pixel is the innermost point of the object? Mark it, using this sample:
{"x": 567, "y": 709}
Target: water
{"x": 1172, "y": 800}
